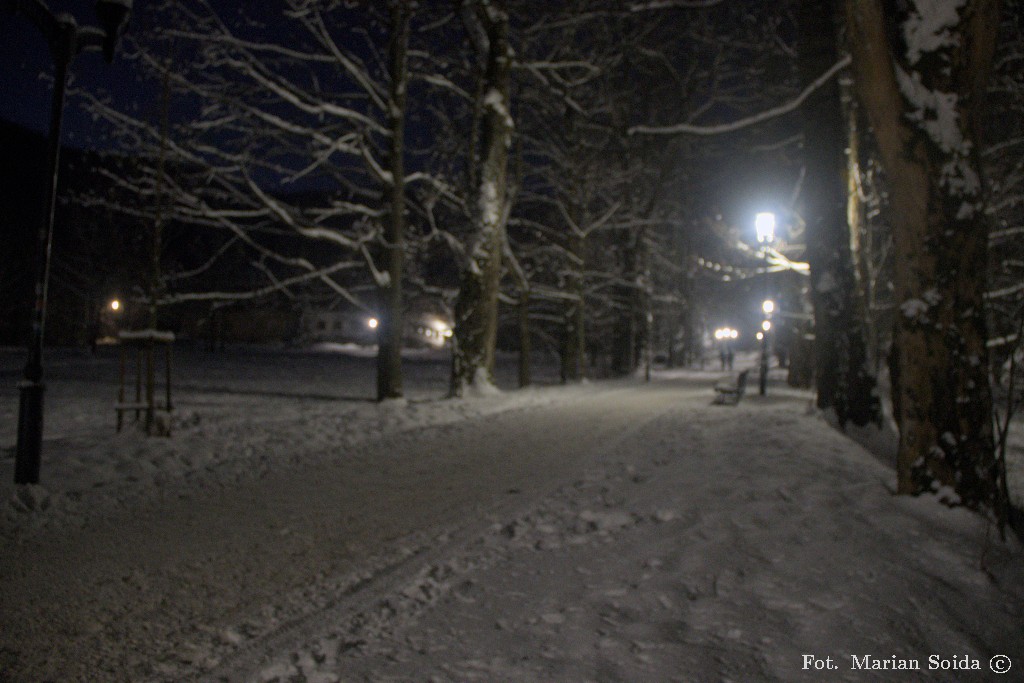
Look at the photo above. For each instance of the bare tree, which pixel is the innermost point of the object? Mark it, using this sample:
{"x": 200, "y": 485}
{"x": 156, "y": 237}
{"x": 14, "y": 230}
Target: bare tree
{"x": 922, "y": 84}
{"x": 476, "y": 309}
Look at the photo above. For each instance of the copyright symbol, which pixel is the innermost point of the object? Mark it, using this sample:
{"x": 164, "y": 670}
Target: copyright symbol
{"x": 1000, "y": 664}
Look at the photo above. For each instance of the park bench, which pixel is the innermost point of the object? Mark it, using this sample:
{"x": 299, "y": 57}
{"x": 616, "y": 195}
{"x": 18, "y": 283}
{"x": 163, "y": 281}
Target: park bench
{"x": 729, "y": 390}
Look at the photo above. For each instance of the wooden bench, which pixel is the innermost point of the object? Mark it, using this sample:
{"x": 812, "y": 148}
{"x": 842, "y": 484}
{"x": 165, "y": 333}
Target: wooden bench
{"x": 729, "y": 390}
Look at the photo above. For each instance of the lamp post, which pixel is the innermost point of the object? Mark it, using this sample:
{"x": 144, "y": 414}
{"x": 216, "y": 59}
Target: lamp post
{"x": 65, "y": 40}
{"x": 768, "y": 307}
{"x": 764, "y": 227}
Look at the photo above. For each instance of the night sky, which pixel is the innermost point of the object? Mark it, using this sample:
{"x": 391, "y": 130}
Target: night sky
{"x": 27, "y": 74}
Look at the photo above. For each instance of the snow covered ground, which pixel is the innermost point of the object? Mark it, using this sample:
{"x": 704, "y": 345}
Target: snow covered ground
{"x": 293, "y": 530}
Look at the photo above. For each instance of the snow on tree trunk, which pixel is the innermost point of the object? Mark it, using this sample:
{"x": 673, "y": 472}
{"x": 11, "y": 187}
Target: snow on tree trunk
{"x": 391, "y": 320}
{"x": 843, "y": 381}
{"x": 920, "y": 75}
{"x": 476, "y": 308}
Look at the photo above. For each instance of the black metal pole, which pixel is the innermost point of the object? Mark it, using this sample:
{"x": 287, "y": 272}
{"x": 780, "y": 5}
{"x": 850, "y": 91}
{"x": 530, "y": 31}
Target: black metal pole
{"x": 763, "y": 388}
{"x": 30, "y": 405}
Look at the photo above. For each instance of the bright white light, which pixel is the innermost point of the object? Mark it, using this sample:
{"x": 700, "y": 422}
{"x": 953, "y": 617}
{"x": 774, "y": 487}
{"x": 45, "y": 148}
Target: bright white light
{"x": 764, "y": 225}
{"x": 115, "y": 305}
{"x": 447, "y": 333}
{"x": 766, "y": 325}
{"x": 760, "y": 336}
{"x": 372, "y": 323}
{"x": 726, "y": 333}
{"x": 768, "y": 307}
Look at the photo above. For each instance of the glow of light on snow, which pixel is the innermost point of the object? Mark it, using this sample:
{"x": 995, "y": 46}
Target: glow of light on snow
{"x": 927, "y": 26}
{"x": 627, "y": 529}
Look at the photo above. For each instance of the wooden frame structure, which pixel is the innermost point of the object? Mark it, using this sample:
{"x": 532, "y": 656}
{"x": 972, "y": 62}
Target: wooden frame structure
{"x": 146, "y": 344}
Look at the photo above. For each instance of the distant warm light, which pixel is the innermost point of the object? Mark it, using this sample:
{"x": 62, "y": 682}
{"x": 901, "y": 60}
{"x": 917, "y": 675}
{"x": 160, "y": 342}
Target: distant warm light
{"x": 764, "y": 225}
{"x": 372, "y": 323}
{"x": 726, "y": 333}
{"x": 760, "y": 336}
{"x": 766, "y": 325}
{"x": 768, "y": 307}
{"x": 115, "y": 305}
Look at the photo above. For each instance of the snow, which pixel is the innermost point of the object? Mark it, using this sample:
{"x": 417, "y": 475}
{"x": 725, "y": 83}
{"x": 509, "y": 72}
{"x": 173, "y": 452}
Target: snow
{"x": 935, "y": 112}
{"x": 293, "y": 530}
{"x": 496, "y": 101}
{"x": 147, "y": 335}
{"x": 914, "y": 308}
{"x": 490, "y": 207}
{"x": 927, "y": 26}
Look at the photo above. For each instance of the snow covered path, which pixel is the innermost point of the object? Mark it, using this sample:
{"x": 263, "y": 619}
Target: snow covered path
{"x": 629, "y": 532}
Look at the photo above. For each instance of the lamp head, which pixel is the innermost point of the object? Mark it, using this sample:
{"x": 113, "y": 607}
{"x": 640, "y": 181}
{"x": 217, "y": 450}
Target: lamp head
{"x": 764, "y": 225}
{"x": 113, "y": 16}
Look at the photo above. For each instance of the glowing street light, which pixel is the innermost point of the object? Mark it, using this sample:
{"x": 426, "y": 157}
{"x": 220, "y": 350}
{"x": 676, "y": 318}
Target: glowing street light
{"x": 724, "y": 333}
{"x": 372, "y": 323}
{"x": 766, "y": 325}
{"x": 768, "y": 307}
{"x": 764, "y": 226}
{"x": 115, "y": 305}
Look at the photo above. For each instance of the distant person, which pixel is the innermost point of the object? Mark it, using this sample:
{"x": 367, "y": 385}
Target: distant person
{"x": 93, "y": 332}
{"x": 729, "y": 358}
{"x": 722, "y": 357}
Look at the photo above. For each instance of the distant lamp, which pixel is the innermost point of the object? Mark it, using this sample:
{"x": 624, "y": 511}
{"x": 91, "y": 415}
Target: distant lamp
{"x": 115, "y": 305}
{"x": 766, "y": 325}
{"x": 760, "y": 336}
{"x": 764, "y": 226}
{"x": 372, "y": 323}
{"x": 725, "y": 333}
{"x": 768, "y": 307}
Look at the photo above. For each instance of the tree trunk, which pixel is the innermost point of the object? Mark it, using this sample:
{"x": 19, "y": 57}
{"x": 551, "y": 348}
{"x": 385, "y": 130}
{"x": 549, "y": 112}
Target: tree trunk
{"x": 573, "y": 332}
{"x": 843, "y": 380}
{"x": 524, "y": 338}
{"x": 476, "y": 308}
{"x": 923, "y": 105}
{"x": 391, "y": 325}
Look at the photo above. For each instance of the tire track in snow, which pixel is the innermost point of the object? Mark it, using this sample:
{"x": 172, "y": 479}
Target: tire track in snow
{"x": 623, "y": 413}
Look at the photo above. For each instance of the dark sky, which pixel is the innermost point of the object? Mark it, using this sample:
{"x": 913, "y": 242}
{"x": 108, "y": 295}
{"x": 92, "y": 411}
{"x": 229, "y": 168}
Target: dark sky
{"x": 26, "y": 75}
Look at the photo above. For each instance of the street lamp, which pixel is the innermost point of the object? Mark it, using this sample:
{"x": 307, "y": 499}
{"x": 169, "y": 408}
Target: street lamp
{"x": 764, "y": 226}
{"x": 65, "y": 40}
